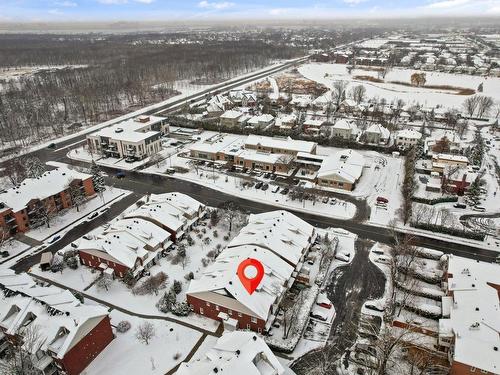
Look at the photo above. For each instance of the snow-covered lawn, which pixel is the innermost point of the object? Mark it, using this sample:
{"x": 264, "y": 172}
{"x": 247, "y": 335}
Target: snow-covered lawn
{"x": 73, "y": 217}
{"x": 328, "y": 73}
{"x": 127, "y": 355}
{"x": 14, "y": 247}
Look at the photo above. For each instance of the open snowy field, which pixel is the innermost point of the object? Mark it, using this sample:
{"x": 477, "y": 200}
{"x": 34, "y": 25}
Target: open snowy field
{"x": 328, "y": 73}
{"x": 169, "y": 346}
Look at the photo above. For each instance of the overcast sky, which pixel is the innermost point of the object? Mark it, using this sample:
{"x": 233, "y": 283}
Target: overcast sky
{"x": 84, "y": 10}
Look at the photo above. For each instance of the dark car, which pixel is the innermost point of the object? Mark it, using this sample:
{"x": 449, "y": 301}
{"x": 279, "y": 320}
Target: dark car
{"x": 273, "y": 177}
{"x": 284, "y": 191}
{"x": 460, "y": 205}
{"x": 54, "y": 239}
{"x": 51, "y": 146}
{"x": 265, "y": 187}
{"x": 382, "y": 200}
{"x": 259, "y": 184}
{"x": 372, "y": 306}
{"x": 120, "y": 174}
{"x": 93, "y": 215}
{"x": 267, "y": 175}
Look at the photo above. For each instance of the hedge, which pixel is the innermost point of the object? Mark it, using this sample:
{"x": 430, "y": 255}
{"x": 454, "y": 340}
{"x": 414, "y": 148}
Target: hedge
{"x": 451, "y": 231}
{"x": 434, "y": 201}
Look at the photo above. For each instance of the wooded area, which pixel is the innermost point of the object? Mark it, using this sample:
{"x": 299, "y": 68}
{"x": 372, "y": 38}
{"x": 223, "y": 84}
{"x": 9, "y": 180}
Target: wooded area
{"x": 113, "y": 74}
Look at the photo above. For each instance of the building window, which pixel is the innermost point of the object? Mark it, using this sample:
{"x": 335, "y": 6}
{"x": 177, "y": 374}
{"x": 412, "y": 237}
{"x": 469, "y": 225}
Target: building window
{"x": 472, "y": 369}
{"x": 248, "y": 326}
{"x": 201, "y": 310}
{"x": 240, "y": 315}
{"x": 230, "y": 312}
{"x": 217, "y": 307}
{"x": 259, "y": 330}
{"x": 254, "y": 320}
{"x": 208, "y": 304}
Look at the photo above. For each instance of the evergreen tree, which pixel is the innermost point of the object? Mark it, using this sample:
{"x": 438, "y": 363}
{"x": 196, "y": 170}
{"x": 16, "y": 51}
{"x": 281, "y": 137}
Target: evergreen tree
{"x": 97, "y": 177}
{"x": 181, "y": 309}
{"x": 167, "y": 302}
{"x": 474, "y": 192}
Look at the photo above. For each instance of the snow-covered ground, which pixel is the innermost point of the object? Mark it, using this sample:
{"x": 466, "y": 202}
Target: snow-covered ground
{"x": 169, "y": 346}
{"x": 14, "y": 247}
{"x": 328, "y": 73}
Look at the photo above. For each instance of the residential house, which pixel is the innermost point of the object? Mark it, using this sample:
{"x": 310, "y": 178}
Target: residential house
{"x": 442, "y": 161}
{"x": 407, "y": 138}
{"x": 341, "y": 170}
{"x": 286, "y": 121}
{"x": 230, "y": 118}
{"x": 264, "y": 161}
{"x": 313, "y": 126}
{"x": 218, "y": 104}
{"x": 29, "y": 204}
{"x": 260, "y": 121}
{"x": 377, "y": 134}
{"x": 345, "y": 129}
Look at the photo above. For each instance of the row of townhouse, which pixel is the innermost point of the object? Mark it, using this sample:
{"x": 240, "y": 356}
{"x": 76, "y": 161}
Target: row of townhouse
{"x": 50, "y": 326}
{"x": 470, "y": 328}
{"x": 26, "y": 206}
{"x": 281, "y": 242}
{"x": 136, "y": 242}
{"x": 132, "y": 140}
{"x": 236, "y": 352}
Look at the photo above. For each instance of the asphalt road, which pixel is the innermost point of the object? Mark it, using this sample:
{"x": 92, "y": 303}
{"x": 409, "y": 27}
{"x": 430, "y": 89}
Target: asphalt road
{"x": 348, "y": 292}
{"x": 143, "y": 183}
{"x": 26, "y": 262}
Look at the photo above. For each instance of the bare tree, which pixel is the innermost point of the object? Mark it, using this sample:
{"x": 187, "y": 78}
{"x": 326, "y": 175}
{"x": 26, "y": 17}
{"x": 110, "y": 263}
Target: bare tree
{"x": 470, "y": 105}
{"x": 21, "y": 358}
{"x": 291, "y": 312}
{"x": 231, "y": 214}
{"x": 77, "y": 194}
{"x": 145, "y": 332}
{"x": 358, "y": 93}
{"x": 339, "y": 92}
{"x": 485, "y": 104}
{"x": 152, "y": 284}
{"x": 104, "y": 282}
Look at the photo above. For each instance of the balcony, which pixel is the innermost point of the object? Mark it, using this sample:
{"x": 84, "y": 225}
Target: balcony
{"x": 9, "y": 219}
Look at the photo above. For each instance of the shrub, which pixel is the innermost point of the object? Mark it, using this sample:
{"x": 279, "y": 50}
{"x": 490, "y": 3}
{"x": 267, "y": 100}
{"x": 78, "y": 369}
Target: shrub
{"x": 205, "y": 262}
{"x": 177, "y": 287}
{"x": 181, "y": 309}
{"x": 207, "y": 240}
{"x": 216, "y": 234}
{"x": 189, "y": 276}
{"x": 434, "y": 201}
{"x": 123, "y": 326}
{"x": 177, "y": 356}
{"x": 479, "y": 236}
{"x": 72, "y": 263}
{"x": 190, "y": 240}
{"x": 226, "y": 237}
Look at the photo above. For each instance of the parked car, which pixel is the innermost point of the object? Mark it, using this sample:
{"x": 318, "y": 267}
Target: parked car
{"x": 276, "y": 189}
{"x": 170, "y": 171}
{"x": 87, "y": 237}
{"x": 497, "y": 259}
{"x": 375, "y": 307}
{"x": 315, "y": 315}
{"x": 273, "y": 177}
{"x": 265, "y": 187}
{"x": 93, "y": 215}
{"x": 120, "y": 174}
{"x": 54, "y": 239}
{"x": 5, "y": 254}
{"x": 382, "y": 200}
{"x": 460, "y": 205}
{"x": 284, "y": 191}
{"x": 51, "y": 146}
{"x": 479, "y": 208}
{"x": 325, "y": 200}
{"x": 267, "y": 175}
{"x": 259, "y": 184}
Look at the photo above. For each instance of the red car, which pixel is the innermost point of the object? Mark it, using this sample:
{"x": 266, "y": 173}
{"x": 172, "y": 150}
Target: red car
{"x": 382, "y": 200}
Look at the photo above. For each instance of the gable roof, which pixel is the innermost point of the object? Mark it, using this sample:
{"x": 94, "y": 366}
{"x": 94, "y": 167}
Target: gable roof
{"x": 346, "y": 165}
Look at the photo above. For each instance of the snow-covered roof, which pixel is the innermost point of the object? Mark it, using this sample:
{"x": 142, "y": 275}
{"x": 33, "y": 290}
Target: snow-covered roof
{"x": 214, "y": 146}
{"x": 347, "y": 125}
{"x": 58, "y": 332}
{"x": 265, "y": 157}
{"x": 475, "y": 313}
{"x": 231, "y": 114}
{"x": 314, "y": 123}
{"x": 409, "y": 133}
{"x": 450, "y": 157}
{"x": 132, "y": 130}
{"x": 279, "y": 231}
{"x": 50, "y": 183}
{"x": 280, "y": 143}
{"x": 162, "y": 213}
{"x": 221, "y": 278}
{"x": 346, "y": 165}
{"x": 379, "y": 129}
{"x": 183, "y": 202}
{"x": 261, "y": 119}
{"x": 238, "y": 352}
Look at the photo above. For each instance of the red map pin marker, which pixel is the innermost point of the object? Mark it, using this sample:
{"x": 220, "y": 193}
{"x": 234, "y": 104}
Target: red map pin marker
{"x": 250, "y": 283}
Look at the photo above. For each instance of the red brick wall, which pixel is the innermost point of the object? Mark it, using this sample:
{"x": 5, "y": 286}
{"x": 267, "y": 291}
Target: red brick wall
{"x": 88, "y": 185}
{"x": 211, "y": 312}
{"x": 83, "y": 353}
{"x": 86, "y": 259}
{"x": 458, "y": 368}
